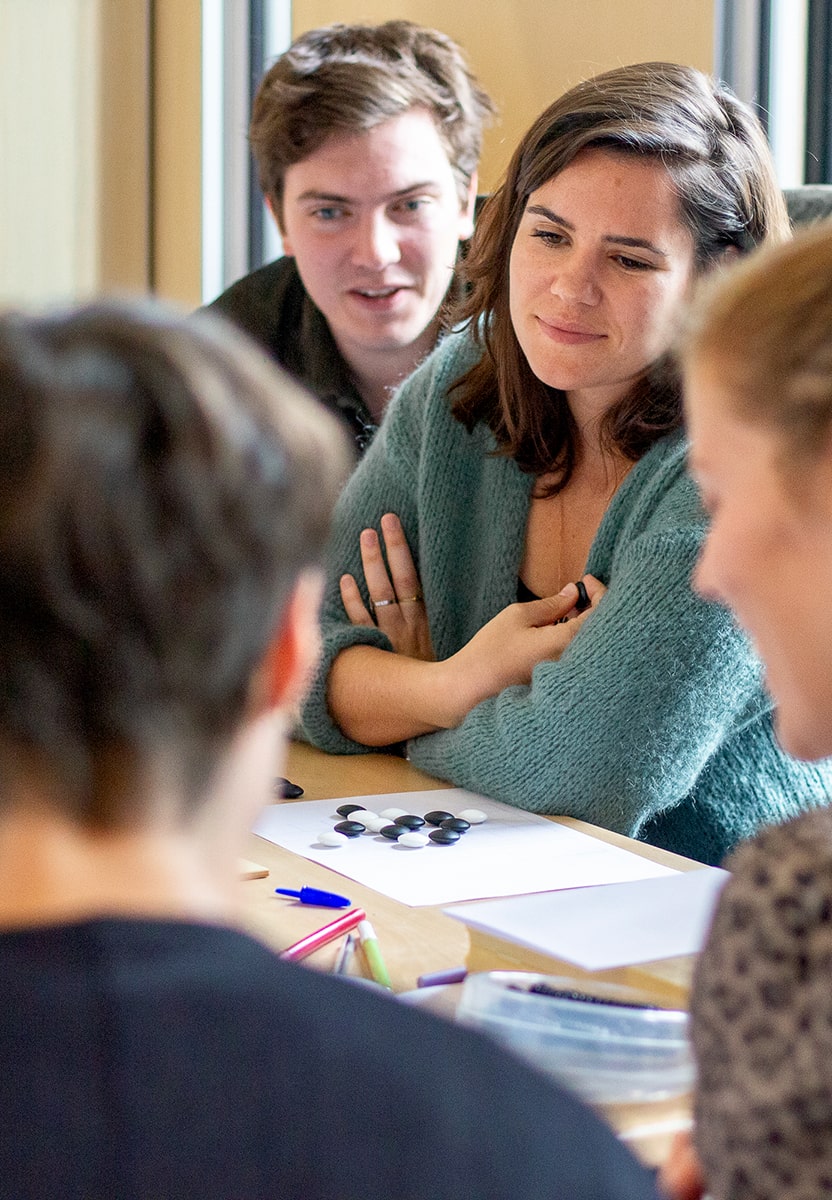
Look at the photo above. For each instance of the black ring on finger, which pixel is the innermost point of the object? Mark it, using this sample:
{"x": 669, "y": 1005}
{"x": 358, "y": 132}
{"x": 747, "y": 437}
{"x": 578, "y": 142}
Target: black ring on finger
{"x": 583, "y": 602}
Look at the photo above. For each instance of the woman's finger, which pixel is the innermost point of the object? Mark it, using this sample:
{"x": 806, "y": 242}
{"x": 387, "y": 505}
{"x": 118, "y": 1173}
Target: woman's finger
{"x": 400, "y": 560}
{"x": 595, "y": 589}
{"x": 580, "y": 599}
{"x": 378, "y": 581}
{"x": 354, "y": 605}
{"x": 551, "y": 609}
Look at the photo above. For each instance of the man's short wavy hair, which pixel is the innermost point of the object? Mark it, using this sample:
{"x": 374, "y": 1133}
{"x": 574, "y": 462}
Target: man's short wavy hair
{"x": 162, "y": 488}
{"x": 347, "y": 79}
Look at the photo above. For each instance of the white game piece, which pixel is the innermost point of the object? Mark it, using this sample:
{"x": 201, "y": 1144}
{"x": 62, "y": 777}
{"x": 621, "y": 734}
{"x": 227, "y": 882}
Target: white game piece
{"x": 392, "y": 813}
{"x": 414, "y": 839}
{"x": 330, "y": 838}
{"x": 374, "y": 822}
{"x": 473, "y": 816}
{"x": 361, "y": 815}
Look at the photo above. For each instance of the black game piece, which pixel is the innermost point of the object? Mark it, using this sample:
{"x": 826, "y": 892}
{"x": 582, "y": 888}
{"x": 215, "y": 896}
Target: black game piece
{"x": 393, "y": 831}
{"x": 457, "y": 824}
{"x": 350, "y": 828}
{"x": 283, "y": 789}
{"x": 444, "y": 837}
{"x": 346, "y": 809}
{"x": 411, "y": 821}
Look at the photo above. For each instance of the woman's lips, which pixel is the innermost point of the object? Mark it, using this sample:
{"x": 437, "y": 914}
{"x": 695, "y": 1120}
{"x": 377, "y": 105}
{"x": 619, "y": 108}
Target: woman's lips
{"x": 568, "y": 334}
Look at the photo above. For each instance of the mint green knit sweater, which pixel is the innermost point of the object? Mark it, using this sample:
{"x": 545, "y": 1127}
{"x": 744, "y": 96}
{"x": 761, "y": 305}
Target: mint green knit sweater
{"x": 654, "y": 721}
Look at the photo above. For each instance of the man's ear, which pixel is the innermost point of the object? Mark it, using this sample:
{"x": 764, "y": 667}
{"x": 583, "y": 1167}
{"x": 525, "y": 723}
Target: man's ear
{"x": 728, "y": 255}
{"x": 275, "y": 215}
{"x": 466, "y": 216}
{"x": 292, "y": 656}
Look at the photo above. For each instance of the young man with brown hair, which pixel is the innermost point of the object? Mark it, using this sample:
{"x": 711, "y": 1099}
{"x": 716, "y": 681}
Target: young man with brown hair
{"x": 367, "y": 140}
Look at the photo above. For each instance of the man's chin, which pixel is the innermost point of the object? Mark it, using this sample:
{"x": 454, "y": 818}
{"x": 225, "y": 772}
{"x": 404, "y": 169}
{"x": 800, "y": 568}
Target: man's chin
{"x": 388, "y": 337}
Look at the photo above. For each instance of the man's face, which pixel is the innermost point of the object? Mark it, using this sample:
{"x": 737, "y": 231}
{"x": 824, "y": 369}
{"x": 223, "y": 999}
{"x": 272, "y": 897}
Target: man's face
{"x": 374, "y": 221}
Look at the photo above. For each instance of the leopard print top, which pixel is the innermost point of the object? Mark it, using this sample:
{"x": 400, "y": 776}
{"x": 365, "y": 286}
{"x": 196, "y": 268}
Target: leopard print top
{"x": 761, "y": 1020}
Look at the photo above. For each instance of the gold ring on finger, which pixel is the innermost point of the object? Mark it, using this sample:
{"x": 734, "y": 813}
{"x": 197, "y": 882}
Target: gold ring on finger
{"x": 411, "y": 599}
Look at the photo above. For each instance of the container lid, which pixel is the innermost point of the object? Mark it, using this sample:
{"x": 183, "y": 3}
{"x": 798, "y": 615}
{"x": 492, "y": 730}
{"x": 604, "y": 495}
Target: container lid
{"x": 606, "y": 1041}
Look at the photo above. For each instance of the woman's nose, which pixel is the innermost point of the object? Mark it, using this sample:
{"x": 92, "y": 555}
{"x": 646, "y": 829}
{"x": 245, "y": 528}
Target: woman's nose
{"x": 576, "y": 280}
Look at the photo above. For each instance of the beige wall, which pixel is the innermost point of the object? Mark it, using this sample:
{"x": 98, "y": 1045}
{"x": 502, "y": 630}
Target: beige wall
{"x": 49, "y": 95}
{"x": 526, "y": 52}
{"x": 123, "y": 146}
{"x": 177, "y": 152}
{"x": 74, "y": 144}
{"x": 82, "y": 211}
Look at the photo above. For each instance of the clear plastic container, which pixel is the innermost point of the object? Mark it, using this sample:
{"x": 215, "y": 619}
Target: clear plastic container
{"x": 609, "y": 1053}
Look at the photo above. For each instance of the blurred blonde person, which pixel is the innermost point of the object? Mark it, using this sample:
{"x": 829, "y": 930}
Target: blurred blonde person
{"x": 759, "y": 406}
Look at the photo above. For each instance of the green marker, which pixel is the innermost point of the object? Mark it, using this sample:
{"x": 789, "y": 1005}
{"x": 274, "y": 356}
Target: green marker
{"x": 372, "y": 952}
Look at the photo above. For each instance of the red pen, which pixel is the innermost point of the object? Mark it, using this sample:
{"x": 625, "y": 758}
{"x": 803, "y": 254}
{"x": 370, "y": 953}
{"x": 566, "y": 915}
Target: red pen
{"x": 320, "y": 937}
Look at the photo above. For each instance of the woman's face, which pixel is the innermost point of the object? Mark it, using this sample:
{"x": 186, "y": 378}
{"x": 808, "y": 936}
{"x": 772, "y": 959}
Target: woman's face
{"x": 768, "y": 554}
{"x": 599, "y": 266}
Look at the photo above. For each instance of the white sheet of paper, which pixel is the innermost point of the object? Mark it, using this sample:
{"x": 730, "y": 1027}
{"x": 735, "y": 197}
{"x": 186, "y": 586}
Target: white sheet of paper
{"x": 613, "y": 925}
{"x": 513, "y": 853}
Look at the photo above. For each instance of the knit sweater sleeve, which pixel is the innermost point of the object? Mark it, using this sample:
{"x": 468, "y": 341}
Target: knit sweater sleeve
{"x": 386, "y": 480}
{"x": 620, "y": 727}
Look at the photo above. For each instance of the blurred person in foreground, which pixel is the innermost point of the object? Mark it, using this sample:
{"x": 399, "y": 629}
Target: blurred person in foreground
{"x": 166, "y": 496}
{"x": 759, "y": 406}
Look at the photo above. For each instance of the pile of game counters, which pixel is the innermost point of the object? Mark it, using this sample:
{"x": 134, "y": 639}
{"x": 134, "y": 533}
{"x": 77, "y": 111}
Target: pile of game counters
{"x": 406, "y": 829}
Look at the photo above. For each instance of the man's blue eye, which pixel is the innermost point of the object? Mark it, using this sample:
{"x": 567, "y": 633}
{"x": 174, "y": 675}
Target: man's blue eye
{"x": 412, "y": 205}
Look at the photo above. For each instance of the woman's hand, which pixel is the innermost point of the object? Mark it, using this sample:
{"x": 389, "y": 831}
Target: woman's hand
{"x": 398, "y": 606}
{"x": 509, "y": 647}
{"x": 408, "y": 695}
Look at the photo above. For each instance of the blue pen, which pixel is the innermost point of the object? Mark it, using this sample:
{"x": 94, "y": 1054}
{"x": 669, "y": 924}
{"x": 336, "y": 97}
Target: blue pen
{"x": 308, "y": 895}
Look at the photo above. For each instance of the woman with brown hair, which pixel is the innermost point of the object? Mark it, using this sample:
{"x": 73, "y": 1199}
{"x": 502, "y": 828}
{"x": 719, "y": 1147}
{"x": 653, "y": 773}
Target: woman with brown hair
{"x": 541, "y": 445}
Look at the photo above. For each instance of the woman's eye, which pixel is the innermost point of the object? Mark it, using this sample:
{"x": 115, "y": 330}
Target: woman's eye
{"x": 549, "y": 237}
{"x": 634, "y": 264}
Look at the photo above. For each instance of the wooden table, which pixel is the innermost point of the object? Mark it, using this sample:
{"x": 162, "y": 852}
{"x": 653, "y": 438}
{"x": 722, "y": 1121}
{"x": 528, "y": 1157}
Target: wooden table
{"x": 423, "y": 939}
{"x": 415, "y": 940}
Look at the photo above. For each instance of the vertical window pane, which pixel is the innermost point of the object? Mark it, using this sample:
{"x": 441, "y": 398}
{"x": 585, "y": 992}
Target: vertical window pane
{"x": 239, "y": 40}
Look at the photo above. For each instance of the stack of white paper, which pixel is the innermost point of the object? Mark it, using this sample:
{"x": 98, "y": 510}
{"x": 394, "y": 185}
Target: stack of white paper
{"x": 614, "y": 925}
